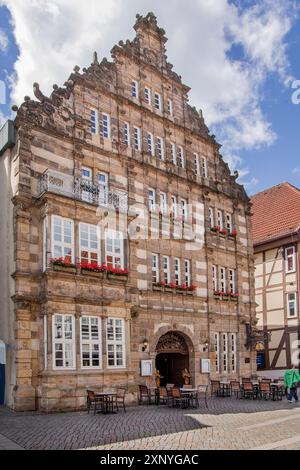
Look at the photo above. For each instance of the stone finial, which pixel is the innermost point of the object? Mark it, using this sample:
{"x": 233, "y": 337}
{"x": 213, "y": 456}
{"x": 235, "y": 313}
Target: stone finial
{"x": 37, "y": 92}
{"x": 76, "y": 68}
{"x": 14, "y": 108}
{"x": 95, "y": 58}
{"x": 27, "y": 98}
{"x": 55, "y": 87}
{"x": 148, "y": 21}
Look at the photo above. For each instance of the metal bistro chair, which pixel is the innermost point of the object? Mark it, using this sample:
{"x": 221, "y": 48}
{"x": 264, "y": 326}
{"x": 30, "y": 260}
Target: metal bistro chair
{"x": 248, "y": 390}
{"x": 215, "y": 388}
{"x": 163, "y": 396}
{"x": 178, "y": 399}
{"x": 144, "y": 394}
{"x": 265, "y": 391}
{"x": 235, "y": 388}
{"x": 94, "y": 400}
{"x": 120, "y": 398}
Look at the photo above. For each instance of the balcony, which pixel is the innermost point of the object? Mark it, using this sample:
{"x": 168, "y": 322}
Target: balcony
{"x": 82, "y": 190}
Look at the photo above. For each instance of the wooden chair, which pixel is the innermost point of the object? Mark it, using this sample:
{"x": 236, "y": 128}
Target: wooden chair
{"x": 201, "y": 395}
{"x": 178, "y": 399}
{"x": 235, "y": 388}
{"x": 215, "y": 388}
{"x": 248, "y": 390}
{"x": 266, "y": 380}
{"x": 246, "y": 379}
{"x": 265, "y": 391}
{"x": 120, "y": 398}
{"x": 163, "y": 396}
{"x": 187, "y": 386}
{"x": 144, "y": 394}
{"x": 93, "y": 400}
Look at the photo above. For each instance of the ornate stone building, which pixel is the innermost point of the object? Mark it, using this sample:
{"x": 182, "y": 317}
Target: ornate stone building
{"x": 120, "y": 142}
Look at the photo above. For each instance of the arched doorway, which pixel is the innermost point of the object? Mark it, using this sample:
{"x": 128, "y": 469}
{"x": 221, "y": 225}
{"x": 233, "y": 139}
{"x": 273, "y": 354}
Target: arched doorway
{"x": 171, "y": 358}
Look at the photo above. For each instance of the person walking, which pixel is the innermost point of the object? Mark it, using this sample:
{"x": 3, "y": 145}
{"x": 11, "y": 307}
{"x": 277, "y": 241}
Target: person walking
{"x": 291, "y": 379}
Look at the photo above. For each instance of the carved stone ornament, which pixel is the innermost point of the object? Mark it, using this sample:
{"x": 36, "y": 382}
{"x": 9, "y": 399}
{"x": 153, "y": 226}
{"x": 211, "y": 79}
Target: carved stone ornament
{"x": 172, "y": 342}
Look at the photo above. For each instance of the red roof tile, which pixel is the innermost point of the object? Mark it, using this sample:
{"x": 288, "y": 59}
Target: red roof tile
{"x": 276, "y": 212}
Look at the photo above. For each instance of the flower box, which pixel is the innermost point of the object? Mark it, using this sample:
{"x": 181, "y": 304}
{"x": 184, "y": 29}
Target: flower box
{"x": 170, "y": 289}
{"x": 181, "y": 291}
{"x": 117, "y": 277}
{"x": 65, "y": 268}
{"x": 157, "y": 287}
{"x": 89, "y": 272}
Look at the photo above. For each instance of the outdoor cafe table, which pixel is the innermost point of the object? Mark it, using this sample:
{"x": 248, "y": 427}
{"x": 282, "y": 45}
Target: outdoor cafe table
{"x": 109, "y": 400}
{"x": 189, "y": 392}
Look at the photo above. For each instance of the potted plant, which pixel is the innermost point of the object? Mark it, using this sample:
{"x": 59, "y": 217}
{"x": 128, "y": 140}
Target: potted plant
{"x": 215, "y": 229}
{"x": 234, "y": 296}
{"x": 217, "y": 294}
{"x": 63, "y": 264}
{"x": 223, "y": 231}
{"x": 225, "y": 295}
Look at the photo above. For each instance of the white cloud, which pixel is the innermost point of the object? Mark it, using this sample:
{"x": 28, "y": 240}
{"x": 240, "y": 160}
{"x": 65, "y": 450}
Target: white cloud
{"x": 296, "y": 171}
{"x": 55, "y": 35}
{"x": 3, "y": 41}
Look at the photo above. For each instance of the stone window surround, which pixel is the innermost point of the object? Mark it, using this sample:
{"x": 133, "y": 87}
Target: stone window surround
{"x": 48, "y": 331}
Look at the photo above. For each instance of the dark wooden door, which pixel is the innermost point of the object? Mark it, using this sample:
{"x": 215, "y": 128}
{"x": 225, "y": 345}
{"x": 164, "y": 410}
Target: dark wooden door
{"x": 170, "y": 366}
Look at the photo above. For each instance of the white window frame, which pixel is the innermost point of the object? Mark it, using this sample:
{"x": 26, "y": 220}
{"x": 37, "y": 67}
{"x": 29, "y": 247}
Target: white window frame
{"x": 173, "y": 153}
{"x": 163, "y": 202}
{"x": 177, "y": 271}
{"x": 88, "y": 249}
{"x": 220, "y": 218}
{"x": 170, "y": 107}
{"x": 114, "y": 235}
{"x": 289, "y": 256}
{"x": 45, "y": 248}
{"x": 115, "y": 343}
{"x": 147, "y": 94}
{"x": 134, "y": 89}
{"x": 174, "y": 207}
{"x": 187, "y": 272}
{"x": 223, "y": 283}
{"x": 137, "y": 138}
{"x": 157, "y": 101}
{"x": 127, "y": 133}
{"x": 150, "y": 144}
{"x": 166, "y": 269}
{"x": 233, "y": 352}
{"x": 155, "y": 268}
{"x": 217, "y": 351}
{"x": 152, "y": 199}
{"x": 204, "y": 166}
{"x": 181, "y": 157}
{"x": 160, "y": 148}
{"x": 229, "y": 225}
{"x": 106, "y": 125}
{"x": 94, "y": 121}
{"x": 91, "y": 342}
{"x": 291, "y": 302}
{"x": 63, "y": 244}
{"x": 64, "y": 342}
{"x": 225, "y": 352}
{"x": 212, "y": 217}
{"x": 184, "y": 209}
{"x": 215, "y": 277}
{"x": 232, "y": 281}
{"x": 196, "y": 164}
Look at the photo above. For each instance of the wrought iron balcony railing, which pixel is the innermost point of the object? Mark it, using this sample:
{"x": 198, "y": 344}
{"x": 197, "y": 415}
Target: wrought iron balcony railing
{"x": 82, "y": 190}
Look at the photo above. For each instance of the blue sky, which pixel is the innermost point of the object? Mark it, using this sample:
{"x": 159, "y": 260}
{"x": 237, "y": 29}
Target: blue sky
{"x": 244, "y": 98}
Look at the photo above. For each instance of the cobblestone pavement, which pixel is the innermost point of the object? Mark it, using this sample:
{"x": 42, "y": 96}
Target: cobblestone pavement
{"x": 227, "y": 424}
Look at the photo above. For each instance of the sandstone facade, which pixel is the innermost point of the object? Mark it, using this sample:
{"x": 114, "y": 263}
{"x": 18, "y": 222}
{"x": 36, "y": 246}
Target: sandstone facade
{"x": 94, "y": 129}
